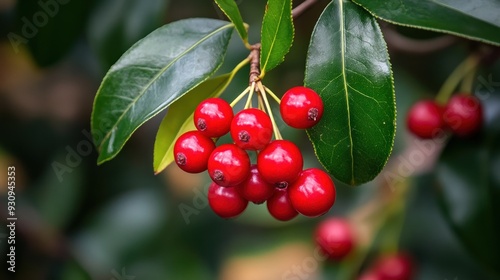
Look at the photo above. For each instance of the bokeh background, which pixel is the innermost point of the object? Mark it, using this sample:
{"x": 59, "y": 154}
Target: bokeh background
{"x": 77, "y": 220}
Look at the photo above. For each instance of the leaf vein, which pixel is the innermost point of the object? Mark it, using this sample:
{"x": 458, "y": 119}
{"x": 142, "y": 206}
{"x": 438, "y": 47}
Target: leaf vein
{"x": 343, "y": 51}
{"x": 275, "y": 36}
{"x": 162, "y": 71}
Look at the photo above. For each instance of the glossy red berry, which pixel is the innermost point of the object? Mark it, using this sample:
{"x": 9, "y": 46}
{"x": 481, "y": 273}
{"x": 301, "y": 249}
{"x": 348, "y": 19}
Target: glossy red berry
{"x": 463, "y": 114}
{"x": 313, "y": 194}
{"x": 425, "y": 119}
{"x": 395, "y": 267}
{"x": 213, "y": 117}
{"x": 255, "y": 188}
{"x": 301, "y": 107}
{"x": 228, "y": 165}
{"x": 226, "y": 202}
{"x": 192, "y": 151}
{"x": 251, "y": 129}
{"x": 280, "y": 207}
{"x": 280, "y": 163}
{"x": 335, "y": 237}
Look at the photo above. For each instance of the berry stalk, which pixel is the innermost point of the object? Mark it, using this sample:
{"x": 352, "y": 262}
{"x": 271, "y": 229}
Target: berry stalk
{"x": 451, "y": 83}
{"x": 237, "y": 99}
{"x": 248, "y": 104}
{"x": 276, "y": 98}
{"x": 262, "y": 93}
{"x": 261, "y": 103}
{"x": 468, "y": 82}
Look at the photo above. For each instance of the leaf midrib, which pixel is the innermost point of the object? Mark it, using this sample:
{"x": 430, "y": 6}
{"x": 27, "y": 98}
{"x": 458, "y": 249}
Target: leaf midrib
{"x": 342, "y": 49}
{"x": 274, "y": 37}
{"x": 242, "y": 32}
{"x": 162, "y": 71}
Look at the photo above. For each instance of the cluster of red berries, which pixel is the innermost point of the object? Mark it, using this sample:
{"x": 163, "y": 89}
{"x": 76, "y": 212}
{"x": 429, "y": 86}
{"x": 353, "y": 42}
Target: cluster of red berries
{"x": 277, "y": 177}
{"x": 335, "y": 237}
{"x": 462, "y": 115}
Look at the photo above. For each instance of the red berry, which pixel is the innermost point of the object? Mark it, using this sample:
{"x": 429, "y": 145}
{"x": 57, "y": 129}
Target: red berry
{"x": 463, "y": 114}
{"x": 370, "y": 275}
{"x": 254, "y": 188}
{"x": 425, "y": 119}
{"x": 395, "y": 267}
{"x": 251, "y": 129}
{"x": 228, "y": 165}
{"x": 213, "y": 117}
{"x": 226, "y": 202}
{"x": 313, "y": 194}
{"x": 301, "y": 107}
{"x": 280, "y": 163}
{"x": 280, "y": 207}
{"x": 192, "y": 151}
{"x": 335, "y": 237}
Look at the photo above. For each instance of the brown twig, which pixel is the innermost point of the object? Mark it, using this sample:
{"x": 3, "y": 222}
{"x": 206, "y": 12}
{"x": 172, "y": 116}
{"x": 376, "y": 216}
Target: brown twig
{"x": 254, "y": 63}
{"x": 302, "y": 7}
{"x": 398, "y": 42}
{"x": 255, "y": 49}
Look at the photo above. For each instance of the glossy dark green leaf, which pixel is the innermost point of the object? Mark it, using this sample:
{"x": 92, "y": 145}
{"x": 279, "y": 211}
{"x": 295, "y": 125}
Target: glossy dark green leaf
{"x": 467, "y": 196}
{"x": 179, "y": 119}
{"x": 348, "y": 65}
{"x": 476, "y": 20}
{"x": 230, "y": 8}
{"x": 49, "y": 28}
{"x": 469, "y": 188}
{"x": 276, "y": 34}
{"x": 153, "y": 74}
{"x": 117, "y": 24}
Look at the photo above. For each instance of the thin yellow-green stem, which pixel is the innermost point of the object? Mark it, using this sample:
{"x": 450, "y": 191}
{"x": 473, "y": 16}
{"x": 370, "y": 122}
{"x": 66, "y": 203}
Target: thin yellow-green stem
{"x": 235, "y": 70}
{"x": 245, "y": 41}
{"x": 248, "y": 104}
{"x": 262, "y": 92}
{"x": 396, "y": 212}
{"x": 261, "y": 102}
{"x": 276, "y": 98}
{"x": 451, "y": 83}
{"x": 247, "y": 45}
{"x": 237, "y": 99}
{"x": 468, "y": 82}
{"x": 239, "y": 66}
{"x": 378, "y": 212}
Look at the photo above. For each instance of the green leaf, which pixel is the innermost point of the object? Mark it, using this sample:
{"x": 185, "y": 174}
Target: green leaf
{"x": 469, "y": 188}
{"x": 117, "y": 24}
{"x": 348, "y": 65}
{"x": 231, "y": 10}
{"x": 276, "y": 34}
{"x": 179, "y": 119}
{"x": 153, "y": 74}
{"x": 475, "y": 20}
{"x": 467, "y": 195}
